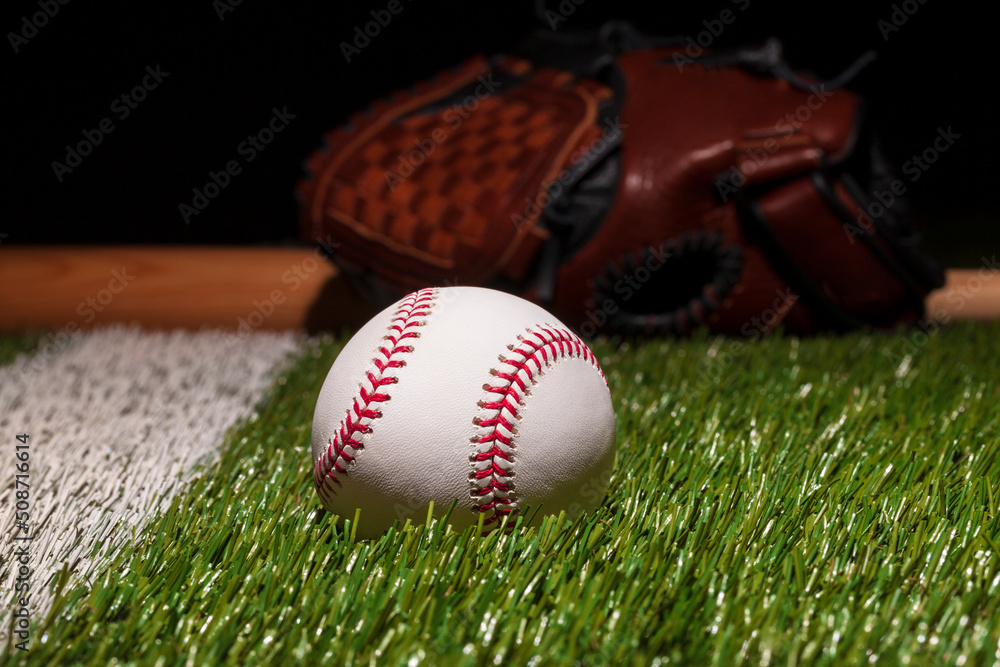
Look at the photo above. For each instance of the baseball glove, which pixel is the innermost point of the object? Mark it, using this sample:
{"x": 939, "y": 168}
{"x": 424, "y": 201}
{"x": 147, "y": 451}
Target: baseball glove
{"x": 628, "y": 186}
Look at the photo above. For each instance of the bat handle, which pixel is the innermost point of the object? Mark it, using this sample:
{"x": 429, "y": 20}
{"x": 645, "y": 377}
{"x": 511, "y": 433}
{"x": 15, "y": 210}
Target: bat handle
{"x": 968, "y": 294}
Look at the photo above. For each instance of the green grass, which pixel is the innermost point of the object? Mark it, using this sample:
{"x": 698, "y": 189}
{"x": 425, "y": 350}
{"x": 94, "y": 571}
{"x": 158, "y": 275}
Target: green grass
{"x": 783, "y": 503}
{"x": 12, "y": 345}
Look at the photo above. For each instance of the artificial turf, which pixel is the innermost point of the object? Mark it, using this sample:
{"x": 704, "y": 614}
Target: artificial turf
{"x": 779, "y": 502}
{"x": 11, "y": 346}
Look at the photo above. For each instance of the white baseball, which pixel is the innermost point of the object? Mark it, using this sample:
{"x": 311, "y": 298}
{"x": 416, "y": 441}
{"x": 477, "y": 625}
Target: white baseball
{"x": 467, "y": 393}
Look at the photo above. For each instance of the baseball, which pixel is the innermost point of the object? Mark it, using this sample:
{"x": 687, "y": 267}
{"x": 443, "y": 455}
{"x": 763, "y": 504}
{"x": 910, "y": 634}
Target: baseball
{"x": 462, "y": 393}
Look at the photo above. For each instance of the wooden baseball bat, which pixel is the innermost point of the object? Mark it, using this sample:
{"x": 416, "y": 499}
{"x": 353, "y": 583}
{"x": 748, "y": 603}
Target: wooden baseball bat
{"x": 76, "y": 287}
{"x": 71, "y": 287}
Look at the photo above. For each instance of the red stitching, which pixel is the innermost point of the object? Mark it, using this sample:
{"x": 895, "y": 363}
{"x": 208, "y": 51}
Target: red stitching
{"x": 544, "y": 347}
{"x": 411, "y": 313}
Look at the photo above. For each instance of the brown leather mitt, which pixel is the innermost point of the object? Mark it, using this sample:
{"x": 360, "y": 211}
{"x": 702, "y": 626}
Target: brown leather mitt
{"x": 629, "y": 187}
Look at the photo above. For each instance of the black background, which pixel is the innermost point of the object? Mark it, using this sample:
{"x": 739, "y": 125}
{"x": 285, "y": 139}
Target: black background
{"x": 226, "y": 75}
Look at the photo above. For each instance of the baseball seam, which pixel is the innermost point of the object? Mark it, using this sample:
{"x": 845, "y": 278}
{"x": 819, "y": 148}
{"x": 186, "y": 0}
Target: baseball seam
{"x": 412, "y": 313}
{"x": 491, "y": 480}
